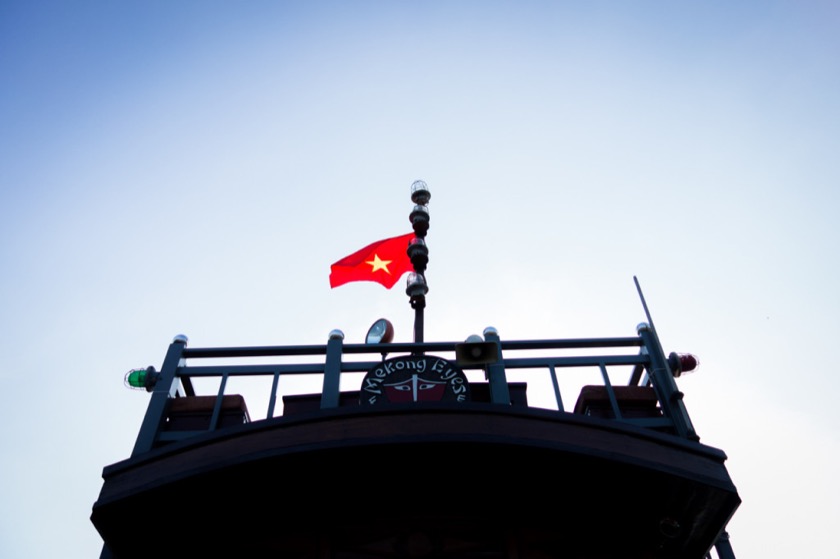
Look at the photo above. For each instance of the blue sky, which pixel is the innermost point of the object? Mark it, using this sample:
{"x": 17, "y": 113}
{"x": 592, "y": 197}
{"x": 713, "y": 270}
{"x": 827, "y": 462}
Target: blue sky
{"x": 195, "y": 167}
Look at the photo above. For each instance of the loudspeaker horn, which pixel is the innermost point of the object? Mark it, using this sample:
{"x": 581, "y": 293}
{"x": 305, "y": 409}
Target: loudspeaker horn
{"x": 475, "y": 351}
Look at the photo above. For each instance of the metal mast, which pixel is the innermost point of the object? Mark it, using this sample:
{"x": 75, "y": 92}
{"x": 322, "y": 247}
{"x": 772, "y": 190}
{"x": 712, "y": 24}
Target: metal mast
{"x": 418, "y": 253}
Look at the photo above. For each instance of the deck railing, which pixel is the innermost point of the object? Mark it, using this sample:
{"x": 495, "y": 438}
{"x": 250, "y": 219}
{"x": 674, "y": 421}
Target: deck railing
{"x": 648, "y": 367}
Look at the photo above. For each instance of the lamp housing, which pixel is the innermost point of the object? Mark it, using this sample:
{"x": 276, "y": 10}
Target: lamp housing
{"x": 420, "y": 193}
{"x": 682, "y": 363}
{"x": 416, "y": 285}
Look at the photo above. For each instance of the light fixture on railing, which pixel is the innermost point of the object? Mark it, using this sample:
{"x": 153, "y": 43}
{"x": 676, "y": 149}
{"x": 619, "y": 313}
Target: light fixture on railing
{"x": 180, "y": 339}
{"x": 380, "y": 332}
{"x": 142, "y": 379}
{"x": 682, "y": 363}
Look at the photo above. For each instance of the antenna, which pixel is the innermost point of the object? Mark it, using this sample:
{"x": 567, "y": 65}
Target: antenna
{"x": 644, "y": 304}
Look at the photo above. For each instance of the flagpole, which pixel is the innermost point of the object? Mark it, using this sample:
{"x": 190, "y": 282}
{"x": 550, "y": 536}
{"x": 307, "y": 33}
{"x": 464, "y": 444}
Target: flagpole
{"x": 418, "y": 253}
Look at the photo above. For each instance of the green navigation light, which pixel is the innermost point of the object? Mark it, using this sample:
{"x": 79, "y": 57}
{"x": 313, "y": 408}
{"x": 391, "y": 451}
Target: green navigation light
{"x": 141, "y": 379}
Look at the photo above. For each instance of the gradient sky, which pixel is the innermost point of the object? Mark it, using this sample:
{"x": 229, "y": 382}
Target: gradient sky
{"x": 195, "y": 167}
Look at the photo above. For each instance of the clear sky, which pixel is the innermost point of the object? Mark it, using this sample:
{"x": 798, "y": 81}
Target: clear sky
{"x": 195, "y": 167}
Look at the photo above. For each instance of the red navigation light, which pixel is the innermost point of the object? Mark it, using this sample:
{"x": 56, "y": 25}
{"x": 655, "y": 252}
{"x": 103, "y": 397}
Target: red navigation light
{"x": 682, "y": 363}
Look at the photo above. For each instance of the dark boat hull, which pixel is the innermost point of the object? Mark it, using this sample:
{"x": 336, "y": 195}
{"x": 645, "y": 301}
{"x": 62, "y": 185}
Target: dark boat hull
{"x": 475, "y": 480}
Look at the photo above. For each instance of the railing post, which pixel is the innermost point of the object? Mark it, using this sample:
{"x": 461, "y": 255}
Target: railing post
{"x": 670, "y": 398}
{"x": 723, "y": 547}
{"x": 165, "y": 388}
{"x": 499, "y": 392}
{"x": 331, "y": 390}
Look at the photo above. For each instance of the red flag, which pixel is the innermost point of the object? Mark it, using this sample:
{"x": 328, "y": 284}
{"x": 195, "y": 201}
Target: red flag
{"x": 384, "y": 262}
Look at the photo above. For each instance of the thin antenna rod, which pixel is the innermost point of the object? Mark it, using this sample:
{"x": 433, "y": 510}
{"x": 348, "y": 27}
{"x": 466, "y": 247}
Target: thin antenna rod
{"x": 644, "y": 304}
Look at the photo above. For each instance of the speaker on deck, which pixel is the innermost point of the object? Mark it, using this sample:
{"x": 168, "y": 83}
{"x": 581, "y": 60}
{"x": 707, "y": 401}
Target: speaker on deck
{"x": 475, "y": 351}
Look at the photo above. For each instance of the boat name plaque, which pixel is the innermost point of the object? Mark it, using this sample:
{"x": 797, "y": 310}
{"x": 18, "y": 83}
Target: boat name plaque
{"x": 414, "y": 378}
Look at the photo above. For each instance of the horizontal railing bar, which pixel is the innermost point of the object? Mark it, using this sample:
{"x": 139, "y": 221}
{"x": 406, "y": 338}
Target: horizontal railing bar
{"x": 574, "y": 361}
{"x": 571, "y": 343}
{"x": 286, "y": 369}
{"x": 364, "y": 366}
{"x": 269, "y": 351}
{"x": 398, "y": 348}
{"x": 254, "y": 351}
{"x": 246, "y": 370}
{"x": 279, "y": 351}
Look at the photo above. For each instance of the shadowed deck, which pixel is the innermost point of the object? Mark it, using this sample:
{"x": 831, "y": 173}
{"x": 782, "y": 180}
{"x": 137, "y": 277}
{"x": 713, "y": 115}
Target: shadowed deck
{"x": 363, "y": 482}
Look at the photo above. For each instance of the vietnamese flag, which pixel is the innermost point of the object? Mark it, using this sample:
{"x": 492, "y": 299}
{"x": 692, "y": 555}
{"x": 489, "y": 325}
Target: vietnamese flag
{"x": 384, "y": 262}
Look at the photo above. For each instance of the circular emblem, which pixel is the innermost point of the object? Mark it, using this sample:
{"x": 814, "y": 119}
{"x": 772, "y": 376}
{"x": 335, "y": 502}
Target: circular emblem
{"x": 414, "y": 378}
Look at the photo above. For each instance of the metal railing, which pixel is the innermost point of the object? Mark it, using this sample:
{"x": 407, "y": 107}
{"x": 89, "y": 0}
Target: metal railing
{"x": 649, "y": 367}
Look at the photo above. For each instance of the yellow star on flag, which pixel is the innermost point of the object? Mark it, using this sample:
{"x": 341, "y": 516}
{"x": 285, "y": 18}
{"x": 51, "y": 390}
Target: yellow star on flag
{"x": 378, "y": 264}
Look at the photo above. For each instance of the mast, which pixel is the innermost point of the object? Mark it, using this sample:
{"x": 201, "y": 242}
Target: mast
{"x": 418, "y": 252}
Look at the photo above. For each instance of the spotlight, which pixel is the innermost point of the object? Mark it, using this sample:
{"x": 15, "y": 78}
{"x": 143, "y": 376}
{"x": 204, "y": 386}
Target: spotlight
{"x": 380, "y": 332}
